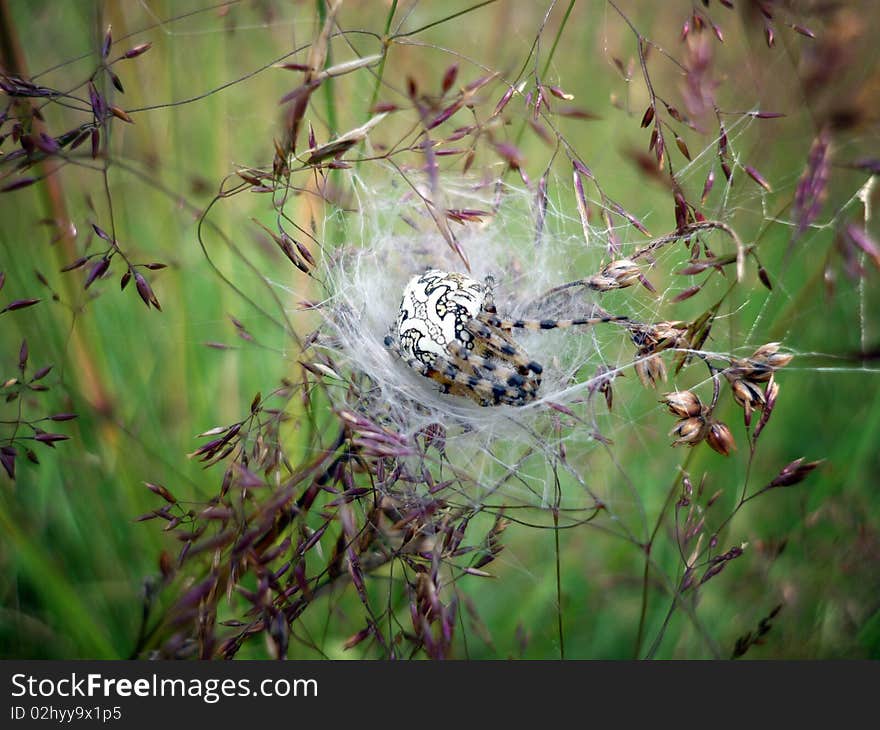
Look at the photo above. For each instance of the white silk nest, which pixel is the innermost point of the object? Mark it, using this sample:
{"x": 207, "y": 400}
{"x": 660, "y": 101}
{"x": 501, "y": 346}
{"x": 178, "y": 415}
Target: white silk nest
{"x": 393, "y": 237}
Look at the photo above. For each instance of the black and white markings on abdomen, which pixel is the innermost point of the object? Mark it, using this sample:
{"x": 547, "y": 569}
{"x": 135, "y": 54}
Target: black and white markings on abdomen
{"x": 434, "y": 312}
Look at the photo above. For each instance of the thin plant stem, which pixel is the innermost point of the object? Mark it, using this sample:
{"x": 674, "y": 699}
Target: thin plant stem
{"x": 386, "y": 45}
{"x": 556, "y": 39}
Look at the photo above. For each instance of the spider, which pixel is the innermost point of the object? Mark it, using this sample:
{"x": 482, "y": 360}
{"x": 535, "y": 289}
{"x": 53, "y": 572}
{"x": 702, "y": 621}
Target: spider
{"x": 448, "y": 329}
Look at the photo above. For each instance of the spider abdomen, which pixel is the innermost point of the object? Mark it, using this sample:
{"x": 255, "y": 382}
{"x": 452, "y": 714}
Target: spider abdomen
{"x": 435, "y": 311}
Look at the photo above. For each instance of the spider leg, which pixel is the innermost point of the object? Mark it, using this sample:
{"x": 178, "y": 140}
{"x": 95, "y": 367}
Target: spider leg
{"x": 491, "y": 339}
{"x": 451, "y": 373}
{"x": 493, "y": 320}
{"x": 490, "y": 368}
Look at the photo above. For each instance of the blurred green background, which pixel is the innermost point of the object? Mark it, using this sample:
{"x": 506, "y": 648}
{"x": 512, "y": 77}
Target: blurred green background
{"x": 143, "y": 383}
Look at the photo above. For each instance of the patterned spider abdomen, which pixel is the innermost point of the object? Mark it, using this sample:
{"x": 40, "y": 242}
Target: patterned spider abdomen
{"x": 436, "y": 307}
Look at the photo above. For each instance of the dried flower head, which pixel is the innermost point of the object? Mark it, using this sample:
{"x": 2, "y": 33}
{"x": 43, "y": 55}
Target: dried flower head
{"x": 720, "y": 438}
{"x": 651, "y": 339}
{"x": 746, "y": 375}
{"x": 761, "y": 364}
{"x": 619, "y": 274}
{"x": 683, "y": 403}
{"x": 771, "y": 393}
{"x": 651, "y": 370}
{"x": 748, "y": 395}
{"x": 689, "y": 431}
{"x": 660, "y": 336}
